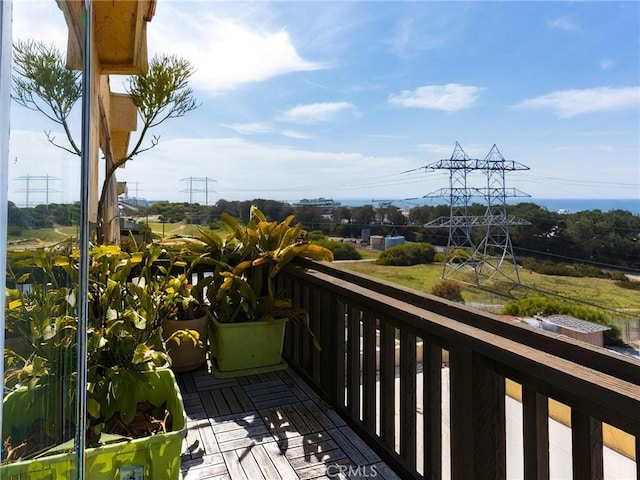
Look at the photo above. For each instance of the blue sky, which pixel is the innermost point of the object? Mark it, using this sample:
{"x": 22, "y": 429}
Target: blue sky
{"x": 338, "y": 99}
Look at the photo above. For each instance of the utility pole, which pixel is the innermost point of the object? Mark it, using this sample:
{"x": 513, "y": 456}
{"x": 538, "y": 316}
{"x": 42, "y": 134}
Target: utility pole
{"x": 199, "y": 185}
{"x": 487, "y": 255}
{"x": 29, "y": 188}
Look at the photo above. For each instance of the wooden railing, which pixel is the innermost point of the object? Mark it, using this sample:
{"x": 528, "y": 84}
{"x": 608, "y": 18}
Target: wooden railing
{"x": 381, "y": 368}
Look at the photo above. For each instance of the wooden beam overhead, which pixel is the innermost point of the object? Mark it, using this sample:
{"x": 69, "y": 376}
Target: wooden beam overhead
{"x": 120, "y": 33}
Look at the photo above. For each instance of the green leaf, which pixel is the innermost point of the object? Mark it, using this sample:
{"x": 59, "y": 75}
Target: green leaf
{"x": 93, "y": 407}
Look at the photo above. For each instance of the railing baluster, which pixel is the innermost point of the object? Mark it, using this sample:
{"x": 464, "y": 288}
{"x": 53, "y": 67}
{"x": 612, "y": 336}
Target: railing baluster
{"x": 535, "y": 413}
{"x": 432, "y": 410}
{"x": 586, "y": 441}
{"x": 478, "y": 432}
{"x": 408, "y": 412}
{"x": 340, "y": 346}
{"x": 314, "y": 300}
{"x": 461, "y": 414}
{"x": 369, "y": 371}
{"x": 353, "y": 361}
{"x": 295, "y": 331}
{"x": 302, "y": 293}
{"x": 387, "y": 383}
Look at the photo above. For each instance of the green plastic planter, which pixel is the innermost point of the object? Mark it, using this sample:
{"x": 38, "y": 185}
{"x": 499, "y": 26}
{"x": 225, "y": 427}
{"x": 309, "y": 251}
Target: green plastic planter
{"x": 156, "y": 457}
{"x": 246, "y": 348}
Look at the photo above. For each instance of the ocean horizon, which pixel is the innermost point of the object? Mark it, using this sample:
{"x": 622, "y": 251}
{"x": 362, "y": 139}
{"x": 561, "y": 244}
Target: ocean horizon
{"x": 564, "y": 205}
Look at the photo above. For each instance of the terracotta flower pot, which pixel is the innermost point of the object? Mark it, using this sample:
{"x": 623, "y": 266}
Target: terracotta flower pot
{"x": 186, "y": 356}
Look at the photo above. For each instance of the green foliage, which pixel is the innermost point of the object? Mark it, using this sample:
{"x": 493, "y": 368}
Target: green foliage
{"x": 340, "y": 250}
{"x": 42, "y": 82}
{"x": 162, "y": 92}
{"x": 439, "y": 257}
{"x": 14, "y": 231}
{"x": 124, "y": 334}
{"x": 247, "y": 263}
{"x": 458, "y": 255}
{"x": 549, "y": 267}
{"x": 407, "y": 254}
{"x": 315, "y": 236}
{"x": 628, "y": 284}
{"x": 528, "y": 307}
{"x": 449, "y": 289}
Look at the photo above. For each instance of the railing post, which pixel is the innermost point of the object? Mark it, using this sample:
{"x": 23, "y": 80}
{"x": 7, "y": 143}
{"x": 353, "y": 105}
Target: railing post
{"x": 586, "y": 441}
{"x": 478, "y": 433}
{"x": 535, "y": 413}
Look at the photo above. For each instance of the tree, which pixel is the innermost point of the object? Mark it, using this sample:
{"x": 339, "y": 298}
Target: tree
{"x": 364, "y": 215}
{"x": 41, "y": 82}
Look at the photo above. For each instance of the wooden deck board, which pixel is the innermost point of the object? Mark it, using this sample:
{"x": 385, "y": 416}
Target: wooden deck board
{"x": 270, "y": 426}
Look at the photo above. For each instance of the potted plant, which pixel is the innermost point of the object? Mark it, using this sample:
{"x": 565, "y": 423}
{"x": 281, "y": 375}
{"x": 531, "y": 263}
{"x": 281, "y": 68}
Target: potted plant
{"x": 135, "y": 416}
{"x": 182, "y": 309}
{"x": 249, "y": 313}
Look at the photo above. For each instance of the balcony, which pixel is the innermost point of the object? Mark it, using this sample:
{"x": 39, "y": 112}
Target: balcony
{"x": 418, "y": 387}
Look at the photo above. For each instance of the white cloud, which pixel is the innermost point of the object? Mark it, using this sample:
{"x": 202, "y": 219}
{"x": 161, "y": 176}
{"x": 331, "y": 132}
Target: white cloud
{"x": 569, "y": 103}
{"x": 226, "y": 51}
{"x": 317, "y": 112}
{"x": 244, "y": 170}
{"x": 449, "y": 98}
{"x": 296, "y": 134}
{"x": 42, "y": 20}
{"x": 563, "y": 23}
{"x": 249, "y": 128}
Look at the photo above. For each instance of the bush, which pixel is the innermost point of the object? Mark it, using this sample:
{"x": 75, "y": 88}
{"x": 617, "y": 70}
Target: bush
{"x": 528, "y": 307}
{"x": 340, "y": 250}
{"x": 449, "y": 289}
{"x": 315, "y": 235}
{"x": 407, "y": 254}
{"x": 549, "y": 267}
{"x": 628, "y": 284}
{"x": 439, "y": 257}
{"x": 458, "y": 255}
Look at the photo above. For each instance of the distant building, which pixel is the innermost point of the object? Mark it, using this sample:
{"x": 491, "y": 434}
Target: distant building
{"x": 317, "y": 202}
{"x": 589, "y": 332}
{"x": 378, "y": 242}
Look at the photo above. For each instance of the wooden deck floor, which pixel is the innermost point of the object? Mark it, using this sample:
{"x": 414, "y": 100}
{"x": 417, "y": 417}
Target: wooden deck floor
{"x": 269, "y": 426}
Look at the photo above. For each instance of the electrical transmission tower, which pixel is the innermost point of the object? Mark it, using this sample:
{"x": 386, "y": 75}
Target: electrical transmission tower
{"x": 38, "y": 188}
{"x": 195, "y": 187}
{"x": 489, "y": 252}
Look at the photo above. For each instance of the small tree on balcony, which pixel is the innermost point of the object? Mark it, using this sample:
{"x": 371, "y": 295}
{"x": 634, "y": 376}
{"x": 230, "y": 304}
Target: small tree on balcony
{"x": 41, "y": 82}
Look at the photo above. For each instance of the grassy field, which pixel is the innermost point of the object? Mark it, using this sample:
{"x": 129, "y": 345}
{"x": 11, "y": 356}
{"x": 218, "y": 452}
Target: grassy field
{"x": 41, "y": 237}
{"x": 595, "y": 291}
{"x": 167, "y": 229}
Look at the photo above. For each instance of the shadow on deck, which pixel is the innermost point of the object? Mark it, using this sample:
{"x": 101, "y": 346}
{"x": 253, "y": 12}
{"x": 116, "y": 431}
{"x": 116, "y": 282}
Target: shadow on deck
{"x": 269, "y": 426}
